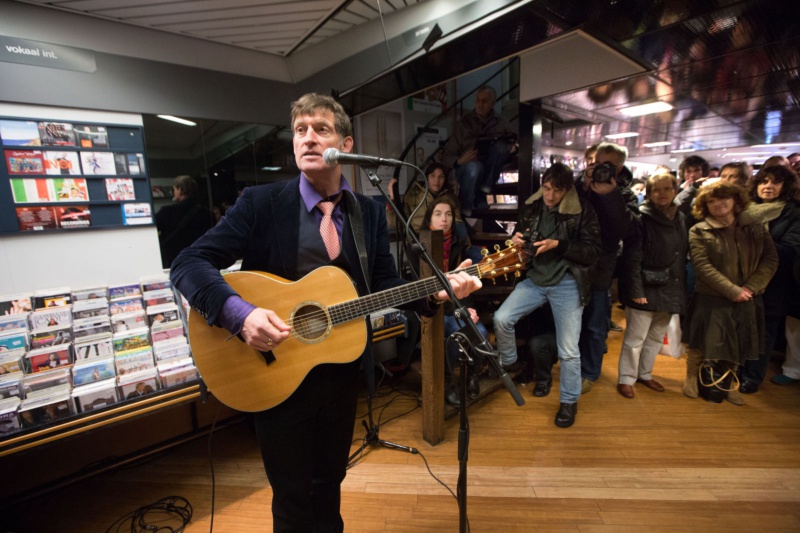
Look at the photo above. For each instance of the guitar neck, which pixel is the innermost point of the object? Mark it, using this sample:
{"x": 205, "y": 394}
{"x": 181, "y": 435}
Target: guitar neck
{"x": 409, "y": 292}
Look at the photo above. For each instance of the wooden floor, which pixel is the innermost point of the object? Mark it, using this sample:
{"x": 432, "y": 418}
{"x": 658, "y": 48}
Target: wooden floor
{"x": 659, "y": 462}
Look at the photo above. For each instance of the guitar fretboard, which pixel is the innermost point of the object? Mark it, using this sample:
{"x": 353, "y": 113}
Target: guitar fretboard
{"x": 360, "y": 307}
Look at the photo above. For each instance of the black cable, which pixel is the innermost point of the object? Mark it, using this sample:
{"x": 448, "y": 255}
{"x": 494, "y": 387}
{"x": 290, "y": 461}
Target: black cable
{"x": 174, "y": 506}
{"x": 211, "y": 467}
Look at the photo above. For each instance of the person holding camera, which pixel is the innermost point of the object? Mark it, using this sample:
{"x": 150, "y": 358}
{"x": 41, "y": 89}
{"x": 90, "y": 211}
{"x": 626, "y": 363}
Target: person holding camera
{"x": 606, "y": 186}
{"x": 480, "y": 145}
{"x": 561, "y": 231}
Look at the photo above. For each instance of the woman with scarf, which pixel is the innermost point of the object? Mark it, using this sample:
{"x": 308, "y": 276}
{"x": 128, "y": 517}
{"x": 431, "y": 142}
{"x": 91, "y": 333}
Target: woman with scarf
{"x": 774, "y": 193}
{"x": 440, "y": 216}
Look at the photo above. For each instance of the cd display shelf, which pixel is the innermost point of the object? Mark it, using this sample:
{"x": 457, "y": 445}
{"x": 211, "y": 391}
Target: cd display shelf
{"x": 77, "y": 424}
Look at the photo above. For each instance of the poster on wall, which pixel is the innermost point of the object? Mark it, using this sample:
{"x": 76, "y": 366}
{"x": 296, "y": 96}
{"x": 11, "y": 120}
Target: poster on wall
{"x": 24, "y": 162}
{"x": 136, "y": 214}
{"x": 87, "y": 136}
{"x": 120, "y": 189}
{"x": 62, "y": 163}
{"x": 32, "y": 191}
{"x": 428, "y": 142}
{"x": 381, "y": 135}
{"x": 20, "y": 133}
{"x": 73, "y": 216}
{"x": 56, "y": 134}
{"x": 101, "y": 163}
{"x": 36, "y": 218}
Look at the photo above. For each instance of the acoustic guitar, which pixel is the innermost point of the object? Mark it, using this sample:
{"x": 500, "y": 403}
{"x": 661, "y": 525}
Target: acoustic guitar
{"x": 328, "y": 324}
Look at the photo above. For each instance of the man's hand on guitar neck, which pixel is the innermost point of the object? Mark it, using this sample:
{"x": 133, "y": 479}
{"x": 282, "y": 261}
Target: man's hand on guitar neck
{"x": 463, "y": 284}
{"x": 264, "y": 330}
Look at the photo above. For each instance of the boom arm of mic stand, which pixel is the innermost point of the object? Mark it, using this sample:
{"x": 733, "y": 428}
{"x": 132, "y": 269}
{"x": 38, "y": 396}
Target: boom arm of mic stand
{"x": 485, "y": 347}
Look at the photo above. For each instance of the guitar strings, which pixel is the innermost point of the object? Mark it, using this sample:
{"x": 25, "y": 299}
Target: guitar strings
{"x": 316, "y": 322}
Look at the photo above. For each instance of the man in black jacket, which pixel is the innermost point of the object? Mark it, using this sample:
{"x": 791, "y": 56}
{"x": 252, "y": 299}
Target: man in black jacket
{"x": 605, "y": 186}
{"x": 562, "y": 231}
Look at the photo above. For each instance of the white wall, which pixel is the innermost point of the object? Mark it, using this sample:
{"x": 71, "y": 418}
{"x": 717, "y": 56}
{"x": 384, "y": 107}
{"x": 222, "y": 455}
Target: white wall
{"x": 84, "y": 258}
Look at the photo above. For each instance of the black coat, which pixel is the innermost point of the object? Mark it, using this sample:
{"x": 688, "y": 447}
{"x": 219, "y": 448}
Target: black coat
{"x": 179, "y": 225}
{"x": 656, "y": 244}
{"x": 782, "y": 290}
{"x": 615, "y": 214}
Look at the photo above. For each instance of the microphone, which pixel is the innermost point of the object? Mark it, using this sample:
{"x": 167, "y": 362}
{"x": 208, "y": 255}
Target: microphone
{"x": 333, "y": 157}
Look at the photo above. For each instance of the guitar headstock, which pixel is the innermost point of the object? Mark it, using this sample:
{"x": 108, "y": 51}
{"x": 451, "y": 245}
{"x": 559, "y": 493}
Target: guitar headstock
{"x": 510, "y": 260}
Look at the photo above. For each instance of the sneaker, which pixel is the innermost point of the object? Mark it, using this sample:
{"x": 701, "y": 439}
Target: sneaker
{"x": 614, "y": 326}
{"x": 783, "y": 379}
{"x": 586, "y": 385}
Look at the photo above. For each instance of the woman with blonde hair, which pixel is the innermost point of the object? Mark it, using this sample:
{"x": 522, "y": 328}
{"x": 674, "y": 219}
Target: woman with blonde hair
{"x": 734, "y": 259}
{"x": 654, "y": 286}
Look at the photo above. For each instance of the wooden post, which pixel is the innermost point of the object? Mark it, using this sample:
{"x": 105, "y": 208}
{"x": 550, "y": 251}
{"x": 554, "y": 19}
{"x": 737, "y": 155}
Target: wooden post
{"x": 432, "y": 344}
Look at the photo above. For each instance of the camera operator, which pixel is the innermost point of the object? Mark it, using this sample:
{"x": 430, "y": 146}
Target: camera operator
{"x": 606, "y": 186}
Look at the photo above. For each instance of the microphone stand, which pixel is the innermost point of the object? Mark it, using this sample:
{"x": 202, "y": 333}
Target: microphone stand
{"x": 482, "y": 347}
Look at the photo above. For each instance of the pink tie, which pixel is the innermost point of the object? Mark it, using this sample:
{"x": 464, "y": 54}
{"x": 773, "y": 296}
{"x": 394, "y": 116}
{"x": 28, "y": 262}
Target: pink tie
{"x": 327, "y": 229}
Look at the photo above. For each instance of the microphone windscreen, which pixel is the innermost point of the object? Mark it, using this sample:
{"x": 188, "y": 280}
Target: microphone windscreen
{"x": 331, "y": 156}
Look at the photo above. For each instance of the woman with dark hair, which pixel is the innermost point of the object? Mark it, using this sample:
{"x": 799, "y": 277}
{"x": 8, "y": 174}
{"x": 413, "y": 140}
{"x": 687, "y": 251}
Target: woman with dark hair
{"x": 734, "y": 259}
{"x": 775, "y": 192}
{"x": 654, "y": 286}
{"x": 440, "y": 216}
{"x": 417, "y": 200}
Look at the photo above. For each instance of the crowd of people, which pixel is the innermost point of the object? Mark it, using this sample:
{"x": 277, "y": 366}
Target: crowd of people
{"x": 716, "y": 250}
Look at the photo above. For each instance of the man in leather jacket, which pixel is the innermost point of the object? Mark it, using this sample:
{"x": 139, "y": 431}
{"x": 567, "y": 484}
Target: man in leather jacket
{"x": 562, "y": 233}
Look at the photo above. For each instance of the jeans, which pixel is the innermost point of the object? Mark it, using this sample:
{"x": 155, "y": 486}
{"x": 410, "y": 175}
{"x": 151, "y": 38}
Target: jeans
{"x": 476, "y": 178}
{"x": 451, "y": 325}
{"x": 644, "y": 336}
{"x": 565, "y": 301}
{"x": 594, "y": 334}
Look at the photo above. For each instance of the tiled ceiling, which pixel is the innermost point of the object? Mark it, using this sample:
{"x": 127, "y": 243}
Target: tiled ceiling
{"x": 730, "y": 68}
{"x": 275, "y": 26}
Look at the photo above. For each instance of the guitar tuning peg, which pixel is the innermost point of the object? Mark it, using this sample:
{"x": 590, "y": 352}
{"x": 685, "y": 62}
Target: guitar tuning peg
{"x": 509, "y": 243}
{"x": 496, "y": 247}
{"x": 484, "y": 252}
{"x": 517, "y": 274}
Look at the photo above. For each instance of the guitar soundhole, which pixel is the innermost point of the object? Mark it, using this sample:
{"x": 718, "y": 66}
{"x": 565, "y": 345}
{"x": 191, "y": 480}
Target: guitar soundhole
{"x": 310, "y": 323}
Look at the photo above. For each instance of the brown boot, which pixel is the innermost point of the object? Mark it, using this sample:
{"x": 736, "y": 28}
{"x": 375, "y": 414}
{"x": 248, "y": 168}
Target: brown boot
{"x": 694, "y": 359}
{"x": 734, "y": 396}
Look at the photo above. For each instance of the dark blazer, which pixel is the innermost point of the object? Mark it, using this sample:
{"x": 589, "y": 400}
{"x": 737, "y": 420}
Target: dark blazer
{"x": 262, "y": 228}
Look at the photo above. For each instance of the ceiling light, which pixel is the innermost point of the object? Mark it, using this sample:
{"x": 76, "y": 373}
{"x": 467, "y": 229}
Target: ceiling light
{"x": 271, "y": 169}
{"x": 645, "y": 109}
{"x": 568, "y": 143}
{"x": 622, "y": 135}
{"x": 747, "y": 154}
{"x": 776, "y": 145}
{"x": 683, "y": 150}
{"x": 655, "y": 144}
{"x": 178, "y": 120}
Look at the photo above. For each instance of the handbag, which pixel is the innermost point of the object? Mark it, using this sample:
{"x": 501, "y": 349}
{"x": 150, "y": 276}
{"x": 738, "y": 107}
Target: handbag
{"x": 715, "y": 380}
{"x": 655, "y": 278}
{"x": 672, "y": 345}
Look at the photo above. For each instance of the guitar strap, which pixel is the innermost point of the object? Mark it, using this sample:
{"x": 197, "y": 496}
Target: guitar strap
{"x": 357, "y": 226}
